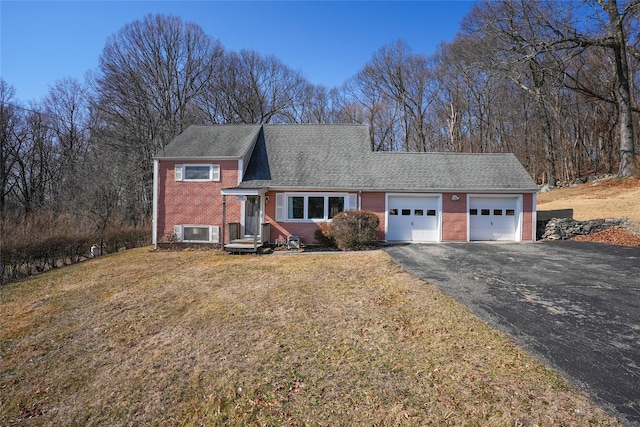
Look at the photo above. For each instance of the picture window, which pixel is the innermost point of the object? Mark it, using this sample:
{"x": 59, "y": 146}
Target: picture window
{"x": 314, "y": 207}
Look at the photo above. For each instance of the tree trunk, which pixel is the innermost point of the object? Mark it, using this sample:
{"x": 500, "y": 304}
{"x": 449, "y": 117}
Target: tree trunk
{"x": 628, "y": 164}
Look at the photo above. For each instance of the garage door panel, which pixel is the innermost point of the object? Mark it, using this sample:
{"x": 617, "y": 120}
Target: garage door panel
{"x": 413, "y": 218}
{"x": 492, "y": 218}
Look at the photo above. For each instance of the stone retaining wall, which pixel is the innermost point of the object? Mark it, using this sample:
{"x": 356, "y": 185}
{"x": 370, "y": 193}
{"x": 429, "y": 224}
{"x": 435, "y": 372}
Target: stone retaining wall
{"x": 566, "y": 228}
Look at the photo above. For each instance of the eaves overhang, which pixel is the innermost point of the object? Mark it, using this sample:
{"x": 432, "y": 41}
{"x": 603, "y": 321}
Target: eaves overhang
{"x": 243, "y": 191}
{"x": 197, "y": 159}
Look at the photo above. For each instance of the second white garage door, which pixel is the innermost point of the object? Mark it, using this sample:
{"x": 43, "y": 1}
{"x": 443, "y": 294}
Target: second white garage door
{"x": 413, "y": 218}
{"x": 493, "y": 218}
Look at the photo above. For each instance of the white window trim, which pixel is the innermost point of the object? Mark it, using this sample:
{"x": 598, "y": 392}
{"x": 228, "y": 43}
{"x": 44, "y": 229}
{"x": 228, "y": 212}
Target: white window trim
{"x": 214, "y": 233}
{"x": 283, "y": 198}
{"x": 214, "y": 172}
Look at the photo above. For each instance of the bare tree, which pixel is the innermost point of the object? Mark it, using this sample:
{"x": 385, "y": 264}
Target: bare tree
{"x": 250, "y": 88}
{"x": 150, "y": 77}
{"x": 66, "y": 108}
{"x": 406, "y": 80}
{"x": 36, "y": 171}
{"x": 10, "y": 142}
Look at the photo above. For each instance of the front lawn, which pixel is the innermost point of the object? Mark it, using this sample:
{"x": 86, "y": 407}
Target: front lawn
{"x": 203, "y": 338}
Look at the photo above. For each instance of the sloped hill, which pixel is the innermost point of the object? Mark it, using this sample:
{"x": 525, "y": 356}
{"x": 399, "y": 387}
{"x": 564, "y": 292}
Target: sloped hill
{"x": 607, "y": 198}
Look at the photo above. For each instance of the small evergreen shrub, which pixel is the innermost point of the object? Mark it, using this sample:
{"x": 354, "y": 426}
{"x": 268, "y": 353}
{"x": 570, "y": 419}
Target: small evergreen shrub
{"x": 354, "y": 230}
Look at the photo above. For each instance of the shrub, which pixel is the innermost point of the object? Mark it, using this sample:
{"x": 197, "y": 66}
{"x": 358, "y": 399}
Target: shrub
{"x": 323, "y": 235}
{"x": 355, "y": 230}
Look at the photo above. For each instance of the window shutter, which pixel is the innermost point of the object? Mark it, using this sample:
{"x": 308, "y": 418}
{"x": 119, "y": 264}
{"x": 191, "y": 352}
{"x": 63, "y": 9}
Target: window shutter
{"x": 353, "y": 202}
{"x": 177, "y": 230}
{"x": 179, "y": 170}
{"x": 280, "y": 207}
{"x": 215, "y": 172}
{"x": 215, "y": 234}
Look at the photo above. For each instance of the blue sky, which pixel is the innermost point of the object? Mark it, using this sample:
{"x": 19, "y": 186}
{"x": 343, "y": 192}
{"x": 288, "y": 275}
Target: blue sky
{"x": 328, "y": 41}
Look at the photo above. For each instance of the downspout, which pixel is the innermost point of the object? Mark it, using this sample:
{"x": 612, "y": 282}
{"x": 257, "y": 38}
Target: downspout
{"x": 534, "y": 216}
{"x": 224, "y": 220}
{"x": 359, "y": 200}
{"x": 154, "y": 222}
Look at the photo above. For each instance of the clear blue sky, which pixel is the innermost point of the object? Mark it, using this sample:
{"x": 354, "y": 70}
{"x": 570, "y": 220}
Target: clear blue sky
{"x": 328, "y": 41}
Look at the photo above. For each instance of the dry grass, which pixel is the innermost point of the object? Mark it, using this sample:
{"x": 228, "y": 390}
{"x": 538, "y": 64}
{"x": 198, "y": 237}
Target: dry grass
{"x": 201, "y": 338}
{"x": 611, "y": 198}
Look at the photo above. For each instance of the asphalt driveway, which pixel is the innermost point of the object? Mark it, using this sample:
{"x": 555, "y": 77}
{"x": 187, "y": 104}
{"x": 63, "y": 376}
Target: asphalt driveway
{"x": 574, "y": 305}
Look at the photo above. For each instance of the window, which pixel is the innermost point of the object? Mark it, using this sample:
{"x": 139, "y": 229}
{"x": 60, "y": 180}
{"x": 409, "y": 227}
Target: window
{"x": 393, "y": 211}
{"x": 296, "y": 207}
{"x": 418, "y": 212}
{"x": 314, "y": 207}
{"x": 197, "y": 173}
{"x": 510, "y": 212}
{"x": 497, "y": 212}
{"x": 336, "y": 205}
{"x": 197, "y": 233}
{"x": 431, "y": 212}
{"x": 485, "y": 212}
{"x": 473, "y": 211}
{"x": 406, "y": 211}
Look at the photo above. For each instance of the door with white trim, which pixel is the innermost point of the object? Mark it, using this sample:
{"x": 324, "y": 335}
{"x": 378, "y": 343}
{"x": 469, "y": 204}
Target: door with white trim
{"x": 493, "y": 218}
{"x": 252, "y": 216}
{"x": 413, "y": 218}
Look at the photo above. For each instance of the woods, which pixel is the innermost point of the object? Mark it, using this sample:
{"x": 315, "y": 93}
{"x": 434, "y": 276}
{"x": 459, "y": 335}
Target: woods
{"x": 556, "y": 83}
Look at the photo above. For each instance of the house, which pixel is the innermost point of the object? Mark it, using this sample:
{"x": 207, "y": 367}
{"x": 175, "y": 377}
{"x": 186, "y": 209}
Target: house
{"x": 215, "y": 184}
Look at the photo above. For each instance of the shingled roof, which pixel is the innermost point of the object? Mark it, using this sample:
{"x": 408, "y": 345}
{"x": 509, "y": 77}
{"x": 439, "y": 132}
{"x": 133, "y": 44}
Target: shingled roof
{"x": 339, "y": 157}
{"x": 220, "y": 141}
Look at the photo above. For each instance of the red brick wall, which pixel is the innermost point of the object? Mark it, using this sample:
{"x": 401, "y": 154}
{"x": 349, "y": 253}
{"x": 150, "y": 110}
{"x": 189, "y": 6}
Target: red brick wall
{"x": 454, "y": 217}
{"x": 194, "y": 203}
{"x": 375, "y": 202}
{"x": 527, "y": 223}
{"x": 370, "y": 201}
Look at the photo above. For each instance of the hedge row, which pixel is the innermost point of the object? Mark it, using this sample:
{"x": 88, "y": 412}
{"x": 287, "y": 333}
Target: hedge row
{"x": 31, "y": 247}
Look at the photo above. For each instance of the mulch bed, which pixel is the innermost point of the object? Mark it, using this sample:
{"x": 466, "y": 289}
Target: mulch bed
{"x": 612, "y": 236}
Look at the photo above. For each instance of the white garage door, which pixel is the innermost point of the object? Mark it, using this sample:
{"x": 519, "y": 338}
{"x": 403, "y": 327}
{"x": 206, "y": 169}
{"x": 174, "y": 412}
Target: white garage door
{"x": 413, "y": 218}
{"x": 493, "y": 218}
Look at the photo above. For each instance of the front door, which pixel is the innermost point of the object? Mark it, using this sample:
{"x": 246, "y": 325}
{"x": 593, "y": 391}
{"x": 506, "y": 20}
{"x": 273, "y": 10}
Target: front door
{"x": 252, "y": 215}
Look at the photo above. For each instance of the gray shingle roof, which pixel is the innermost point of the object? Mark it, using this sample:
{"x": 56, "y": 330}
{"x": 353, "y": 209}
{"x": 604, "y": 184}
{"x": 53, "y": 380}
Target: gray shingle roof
{"x": 218, "y": 141}
{"x": 339, "y": 157}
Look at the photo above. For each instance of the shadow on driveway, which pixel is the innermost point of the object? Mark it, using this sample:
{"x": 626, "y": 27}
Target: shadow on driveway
{"x": 574, "y": 305}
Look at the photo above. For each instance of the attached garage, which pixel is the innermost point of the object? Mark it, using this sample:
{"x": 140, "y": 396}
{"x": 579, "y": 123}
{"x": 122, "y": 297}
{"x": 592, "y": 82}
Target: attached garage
{"x": 413, "y": 217}
{"x": 494, "y": 217}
